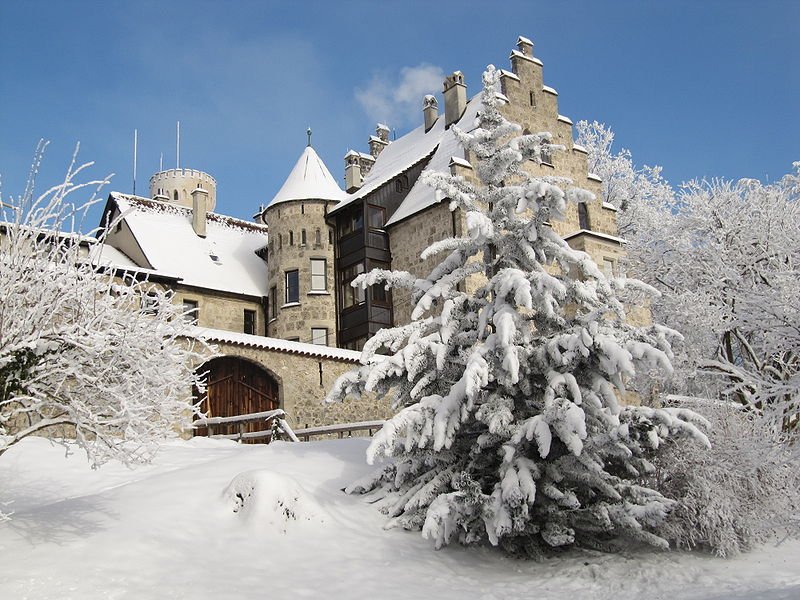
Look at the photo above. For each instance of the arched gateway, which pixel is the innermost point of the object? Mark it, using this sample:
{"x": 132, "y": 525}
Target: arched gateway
{"x": 237, "y": 386}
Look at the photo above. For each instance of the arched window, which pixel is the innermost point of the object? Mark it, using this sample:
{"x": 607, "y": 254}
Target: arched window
{"x": 583, "y": 216}
{"x": 175, "y": 196}
{"x": 318, "y": 237}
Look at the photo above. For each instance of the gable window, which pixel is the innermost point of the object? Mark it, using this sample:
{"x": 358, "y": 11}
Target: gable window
{"x": 319, "y": 336}
{"x": 273, "y": 302}
{"x": 318, "y": 269}
{"x": 292, "y": 286}
{"x": 191, "y": 312}
{"x": 250, "y": 321}
{"x": 583, "y": 216}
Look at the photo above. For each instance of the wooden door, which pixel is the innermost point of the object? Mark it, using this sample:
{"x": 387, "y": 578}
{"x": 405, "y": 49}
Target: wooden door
{"x": 237, "y": 387}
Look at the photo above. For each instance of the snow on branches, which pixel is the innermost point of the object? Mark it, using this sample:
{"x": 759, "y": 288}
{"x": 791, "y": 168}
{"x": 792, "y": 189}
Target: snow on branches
{"x": 85, "y": 352}
{"x": 508, "y": 426}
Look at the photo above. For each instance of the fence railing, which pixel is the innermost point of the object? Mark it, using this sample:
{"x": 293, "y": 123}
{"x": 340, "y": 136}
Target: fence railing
{"x": 340, "y": 429}
{"x": 279, "y": 427}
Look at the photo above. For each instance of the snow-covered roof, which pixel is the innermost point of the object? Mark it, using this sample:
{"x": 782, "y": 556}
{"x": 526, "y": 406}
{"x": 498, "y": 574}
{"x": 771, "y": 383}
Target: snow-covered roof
{"x": 580, "y": 148}
{"x": 604, "y": 236}
{"x": 224, "y": 260}
{"x": 270, "y": 343}
{"x": 564, "y": 119}
{"x": 397, "y": 157}
{"x": 594, "y": 177}
{"x": 422, "y": 196}
{"x": 310, "y": 179}
{"x": 549, "y": 90}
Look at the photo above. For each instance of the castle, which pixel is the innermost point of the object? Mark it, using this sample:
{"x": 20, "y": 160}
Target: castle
{"x": 274, "y": 294}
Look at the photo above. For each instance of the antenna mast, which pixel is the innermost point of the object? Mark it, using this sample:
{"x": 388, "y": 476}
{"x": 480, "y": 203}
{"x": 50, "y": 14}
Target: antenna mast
{"x": 135, "y": 149}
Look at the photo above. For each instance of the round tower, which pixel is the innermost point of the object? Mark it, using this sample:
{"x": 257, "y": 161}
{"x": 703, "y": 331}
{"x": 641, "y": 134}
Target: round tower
{"x": 302, "y": 301}
{"x": 176, "y": 185}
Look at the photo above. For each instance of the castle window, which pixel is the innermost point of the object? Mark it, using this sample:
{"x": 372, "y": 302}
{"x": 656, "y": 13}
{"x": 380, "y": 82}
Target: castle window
{"x": 175, "y": 196}
{"x": 318, "y": 269}
{"x": 330, "y": 236}
{"x": 273, "y": 302}
{"x": 376, "y": 216}
{"x": 302, "y": 209}
{"x": 547, "y": 155}
{"x": 351, "y": 223}
{"x": 191, "y": 312}
{"x": 318, "y": 237}
{"x": 303, "y": 237}
{"x": 280, "y": 241}
{"x": 292, "y": 286}
{"x": 250, "y": 321}
{"x": 378, "y": 291}
{"x": 150, "y": 303}
{"x": 319, "y": 336}
{"x": 349, "y": 295}
{"x": 583, "y": 216}
{"x": 291, "y": 238}
{"x": 533, "y": 99}
{"x": 609, "y": 267}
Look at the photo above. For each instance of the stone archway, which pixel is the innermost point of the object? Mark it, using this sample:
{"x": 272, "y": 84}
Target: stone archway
{"x": 237, "y": 386}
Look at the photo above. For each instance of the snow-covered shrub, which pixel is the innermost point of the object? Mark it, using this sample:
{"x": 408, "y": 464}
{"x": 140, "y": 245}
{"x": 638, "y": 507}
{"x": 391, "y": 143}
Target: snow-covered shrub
{"x": 742, "y": 491}
{"x": 85, "y": 352}
{"x": 509, "y": 428}
{"x": 268, "y": 500}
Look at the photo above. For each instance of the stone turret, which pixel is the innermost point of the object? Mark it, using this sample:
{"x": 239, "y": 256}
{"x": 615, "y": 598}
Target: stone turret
{"x": 300, "y": 254}
{"x": 176, "y": 185}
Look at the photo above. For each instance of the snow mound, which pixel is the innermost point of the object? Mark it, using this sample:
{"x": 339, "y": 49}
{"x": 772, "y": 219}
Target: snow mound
{"x": 266, "y": 499}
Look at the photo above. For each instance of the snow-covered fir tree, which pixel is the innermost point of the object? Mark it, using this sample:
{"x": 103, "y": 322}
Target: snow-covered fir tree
{"x": 509, "y": 426}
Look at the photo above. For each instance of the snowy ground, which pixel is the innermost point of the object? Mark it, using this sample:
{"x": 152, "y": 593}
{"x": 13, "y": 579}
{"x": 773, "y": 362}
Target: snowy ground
{"x": 176, "y": 529}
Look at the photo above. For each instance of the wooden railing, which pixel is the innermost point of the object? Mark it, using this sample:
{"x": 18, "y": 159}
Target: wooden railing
{"x": 278, "y": 418}
{"x": 280, "y": 427}
{"x": 341, "y": 429}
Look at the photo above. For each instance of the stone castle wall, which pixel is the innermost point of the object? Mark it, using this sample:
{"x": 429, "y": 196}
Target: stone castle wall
{"x": 301, "y": 392}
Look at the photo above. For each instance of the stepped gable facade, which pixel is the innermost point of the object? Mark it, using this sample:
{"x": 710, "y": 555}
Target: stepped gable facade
{"x": 275, "y": 294}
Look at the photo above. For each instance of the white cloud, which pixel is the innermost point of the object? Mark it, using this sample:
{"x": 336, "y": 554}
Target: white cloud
{"x": 396, "y": 99}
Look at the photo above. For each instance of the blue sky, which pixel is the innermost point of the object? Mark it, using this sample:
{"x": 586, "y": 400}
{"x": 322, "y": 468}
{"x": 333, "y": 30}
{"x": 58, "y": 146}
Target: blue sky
{"x": 703, "y": 88}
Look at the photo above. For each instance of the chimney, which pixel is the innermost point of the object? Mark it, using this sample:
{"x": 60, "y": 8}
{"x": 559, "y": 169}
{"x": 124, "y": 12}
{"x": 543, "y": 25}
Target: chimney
{"x": 455, "y": 98}
{"x": 379, "y": 141}
{"x": 525, "y": 46}
{"x": 430, "y": 110}
{"x": 199, "y": 204}
{"x": 352, "y": 172}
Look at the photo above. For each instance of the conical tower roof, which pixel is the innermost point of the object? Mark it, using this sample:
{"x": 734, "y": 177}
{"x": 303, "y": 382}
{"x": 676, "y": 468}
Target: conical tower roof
{"x": 310, "y": 179}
